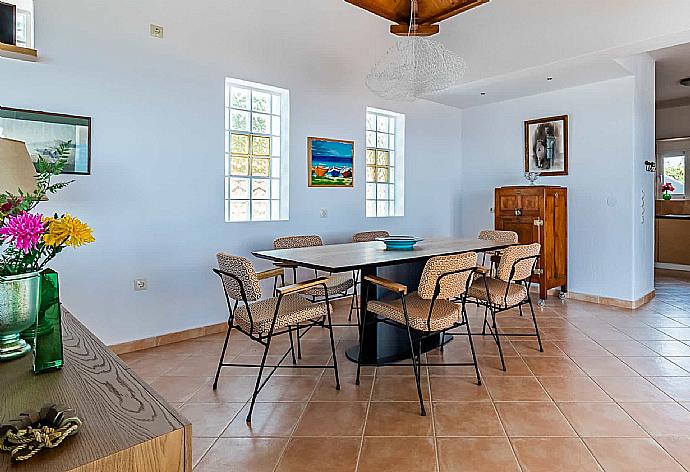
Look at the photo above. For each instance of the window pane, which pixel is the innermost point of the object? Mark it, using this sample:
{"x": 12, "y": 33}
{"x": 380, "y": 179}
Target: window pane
{"x": 239, "y": 210}
{"x": 382, "y": 174}
{"x": 275, "y": 168}
{"x": 382, "y": 208}
{"x": 275, "y": 209}
{"x": 382, "y": 192}
{"x": 371, "y": 208}
{"x": 275, "y": 126}
{"x": 392, "y": 125}
{"x": 391, "y": 158}
{"x": 239, "y": 98}
{"x": 381, "y": 158}
{"x": 371, "y": 191}
{"x": 261, "y": 146}
{"x": 371, "y": 122}
{"x": 261, "y": 123}
{"x": 391, "y": 208}
{"x": 371, "y": 139}
{"x": 382, "y": 124}
{"x": 260, "y": 188}
{"x": 371, "y": 174}
{"x": 239, "y": 144}
{"x": 371, "y": 157}
{"x": 261, "y": 102}
{"x": 239, "y": 165}
{"x": 275, "y": 188}
{"x": 275, "y": 147}
{"x": 381, "y": 140}
{"x": 674, "y": 173}
{"x": 261, "y": 167}
{"x": 391, "y": 142}
{"x": 276, "y": 102}
{"x": 239, "y": 120}
{"x": 260, "y": 210}
{"x": 239, "y": 188}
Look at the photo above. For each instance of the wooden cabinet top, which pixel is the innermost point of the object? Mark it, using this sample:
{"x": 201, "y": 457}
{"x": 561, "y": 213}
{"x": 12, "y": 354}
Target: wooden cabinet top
{"x": 119, "y": 411}
{"x": 530, "y": 187}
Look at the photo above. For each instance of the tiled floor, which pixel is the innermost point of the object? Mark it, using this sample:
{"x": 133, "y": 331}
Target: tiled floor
{"x": 611, "y": 391}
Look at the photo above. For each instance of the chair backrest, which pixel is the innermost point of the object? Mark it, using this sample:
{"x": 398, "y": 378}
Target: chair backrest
{"x": 451, "y": 286}
{"x": 293, "y": 242}
{"x": 508, "y": 237}
{"x": 367, "y": 236}
{"x": 523, "y": 268}
{"x": 244, "y": 271}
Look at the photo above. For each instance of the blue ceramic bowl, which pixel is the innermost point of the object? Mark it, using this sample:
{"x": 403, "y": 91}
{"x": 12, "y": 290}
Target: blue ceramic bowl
{"x": 399, "y": 243}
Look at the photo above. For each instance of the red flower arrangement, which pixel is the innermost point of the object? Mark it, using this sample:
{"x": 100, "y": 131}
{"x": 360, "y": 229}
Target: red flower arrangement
{"x": 668, "y": 187}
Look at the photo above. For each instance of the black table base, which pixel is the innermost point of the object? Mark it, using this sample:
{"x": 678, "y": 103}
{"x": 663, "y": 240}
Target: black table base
{"x": 389, "y": 346}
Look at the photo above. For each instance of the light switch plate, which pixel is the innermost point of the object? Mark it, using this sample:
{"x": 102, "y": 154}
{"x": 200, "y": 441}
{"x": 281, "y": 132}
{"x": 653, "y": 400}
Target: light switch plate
{"x": 156, "y": 31}
{"x": 140, "y": 284}
{"x": 323, "y": 213}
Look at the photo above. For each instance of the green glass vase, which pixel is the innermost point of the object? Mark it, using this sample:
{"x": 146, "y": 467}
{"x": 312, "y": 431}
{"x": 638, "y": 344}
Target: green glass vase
{"x": 666, "y": 196}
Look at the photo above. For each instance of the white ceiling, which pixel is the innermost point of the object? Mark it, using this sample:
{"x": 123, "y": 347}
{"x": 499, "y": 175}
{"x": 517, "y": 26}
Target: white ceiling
{"x": 672, "y": 65}
{"x": 512, "y": 46}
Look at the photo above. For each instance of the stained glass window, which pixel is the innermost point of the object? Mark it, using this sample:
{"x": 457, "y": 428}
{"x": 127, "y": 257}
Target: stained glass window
{"x": 383, "y": 135}
{"x": 255, "y": 182}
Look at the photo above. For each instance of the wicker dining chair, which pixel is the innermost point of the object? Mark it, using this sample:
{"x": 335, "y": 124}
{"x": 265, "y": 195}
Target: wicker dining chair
{"x": 428, "y": 311}
{"x": 362, "y": 237}
{"x": 510, "y": 288}
{"x": 262, "y": 320}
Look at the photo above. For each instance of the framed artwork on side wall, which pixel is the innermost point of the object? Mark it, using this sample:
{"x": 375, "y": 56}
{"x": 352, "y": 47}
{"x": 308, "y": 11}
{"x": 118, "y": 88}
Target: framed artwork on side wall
{"x": 331, "y": 162}
{"x": 44, "y": 132}
{"x": 546, "y": 145}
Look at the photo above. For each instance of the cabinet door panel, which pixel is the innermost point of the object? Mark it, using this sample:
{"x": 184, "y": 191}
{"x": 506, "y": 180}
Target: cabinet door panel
{"x": 507, "y": 204}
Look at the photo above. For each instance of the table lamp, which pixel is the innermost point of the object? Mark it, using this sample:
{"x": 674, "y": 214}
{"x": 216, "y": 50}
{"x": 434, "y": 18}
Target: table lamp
{"x": 18, "y": 170}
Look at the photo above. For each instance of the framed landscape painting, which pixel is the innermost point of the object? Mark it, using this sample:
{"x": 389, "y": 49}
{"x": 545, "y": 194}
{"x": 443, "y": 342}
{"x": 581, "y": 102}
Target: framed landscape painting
{"x": 44, "y": 133}
{"x": 331, "y": 162}
{"x": 546, "y": 145}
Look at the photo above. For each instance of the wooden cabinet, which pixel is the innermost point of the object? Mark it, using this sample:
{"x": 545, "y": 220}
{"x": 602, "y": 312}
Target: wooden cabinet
{"x": 538, "y": 214}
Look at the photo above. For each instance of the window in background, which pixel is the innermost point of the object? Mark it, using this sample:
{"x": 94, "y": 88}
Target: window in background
{"x": 385, "y": 140}
{"x": 674, "y": 172}
{"x": 256, "y": 151}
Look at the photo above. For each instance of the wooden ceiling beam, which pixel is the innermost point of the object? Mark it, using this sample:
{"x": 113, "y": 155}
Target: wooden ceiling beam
{"x": 397, "y": 11}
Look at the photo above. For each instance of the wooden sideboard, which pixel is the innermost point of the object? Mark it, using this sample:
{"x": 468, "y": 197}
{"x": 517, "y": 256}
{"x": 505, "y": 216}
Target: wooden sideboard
{"x": 538, "y": 214}
{"x": 127, "y": 426}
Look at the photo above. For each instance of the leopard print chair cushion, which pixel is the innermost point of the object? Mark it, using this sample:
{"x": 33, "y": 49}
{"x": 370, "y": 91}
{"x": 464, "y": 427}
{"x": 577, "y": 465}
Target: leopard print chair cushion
{"x": 452, "y": 285}
{"x": 508, "y": 237}
{"x": 523, "y": 270}
{"x": 293, "y": 242}
{"x": 244, "y": 271}
{"x": 367, "y": 236}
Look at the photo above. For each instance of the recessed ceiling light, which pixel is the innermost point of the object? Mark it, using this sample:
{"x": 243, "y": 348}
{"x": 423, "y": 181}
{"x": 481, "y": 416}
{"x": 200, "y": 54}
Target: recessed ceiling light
{"x": 685, "y": 82}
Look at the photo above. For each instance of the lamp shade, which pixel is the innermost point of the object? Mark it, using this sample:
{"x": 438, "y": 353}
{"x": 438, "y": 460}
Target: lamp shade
{"x": 16, "y": 169}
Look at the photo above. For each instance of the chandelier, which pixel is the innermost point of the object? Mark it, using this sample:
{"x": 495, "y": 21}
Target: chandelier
{"x": 415, "y": 66}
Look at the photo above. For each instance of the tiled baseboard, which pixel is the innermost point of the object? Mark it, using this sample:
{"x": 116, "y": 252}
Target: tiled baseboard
{"x": 629, "y": 304}
{"x": 169, "y": 338}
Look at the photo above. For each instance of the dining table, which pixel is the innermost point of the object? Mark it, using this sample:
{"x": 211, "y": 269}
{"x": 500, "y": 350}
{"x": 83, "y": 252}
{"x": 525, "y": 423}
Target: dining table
{"x": 385, "y": 343}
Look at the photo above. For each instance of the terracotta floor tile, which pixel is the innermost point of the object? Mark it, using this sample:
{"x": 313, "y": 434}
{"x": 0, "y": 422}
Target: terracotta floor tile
{"x": 178, "y": 389}
{"x": 678, "y": 447}
{"x": 533, "y": 419}
{"x": 515, "y": 389}
{"x": 660, "y": 419}
{"x": 605, "y": 366}
{"x": 628, "y": 348}
{"x": 655, "y": 366}
{"x": 398, "y": 388}
{"x": 582, "y": 348}
{"x": 476, "y": 455}
{"x": 195, "y": 366}
{"x": 683, "y": 362}
{"x": 569, "y": 389}
{"x": 669, "y": 348}
{"x": 681, "y": 334}
{"x": 460, "y": 389}
{"x": 268, "y": 420}
{"x": 491, "y": 366}
{"x": 210, "y": 419}
{"x": 601, "y": 420}
{"x": 466, "y": 419}
{"x": 230, "y": 389}
{"x": 320, "y": 455}
{"x": 199, "y": 447}
{"x": 553, "y": 366}
{"x": 631, "y": 389}
{"x": 332, "y": 419}
{"x": 402, "y": 454}
{"x": 398, "y": 419}
{"x": 554, "y": 454}
{"x": 257, "y": 455}
{"x": 531, "y": 348}
{"x": 677, "y": 388}
{"x": 627, "y": 454}
{"x": 288, "y": 389}
{"x": 349, "y": 392}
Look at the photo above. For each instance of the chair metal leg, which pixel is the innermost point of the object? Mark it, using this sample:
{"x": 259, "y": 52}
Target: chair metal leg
{"x": 222, "y": 355}
{"x": 469, "y": 336}
{"x": 330, "y": 331}
{"x": 520, "y": 308}
{"x": 299, "y": 344}
{"x": 292, "y": 346}
{"x": 443, "y": 338}
{"x": 359, "y": 354}
{"x": 415, "y": 363}
{"x": 354, "y": 296}
{"x": 486, "y": 323}
{"x": 258, "y": 380}
{"x": 498, "y": 339}
{"x": 536, "y": 328}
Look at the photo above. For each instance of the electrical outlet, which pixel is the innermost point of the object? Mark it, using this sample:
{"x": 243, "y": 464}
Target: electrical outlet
{"x": 156, "y": 31}
{"x": 323, "y": 213}
{"x": 140, "y": 284}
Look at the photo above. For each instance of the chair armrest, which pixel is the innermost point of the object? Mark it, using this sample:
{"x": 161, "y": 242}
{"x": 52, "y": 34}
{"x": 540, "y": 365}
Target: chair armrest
{"x": 270, "y": 273}
{"x": 302, "y": 286}
{"x": 483, "y": 270}
{"x": 387, "y": 284}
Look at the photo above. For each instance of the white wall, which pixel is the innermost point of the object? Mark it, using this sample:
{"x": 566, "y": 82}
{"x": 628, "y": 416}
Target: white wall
{"x": 155, "y": 198}
{"x": 603, "y": 195}
{"x": 673, "y": 122}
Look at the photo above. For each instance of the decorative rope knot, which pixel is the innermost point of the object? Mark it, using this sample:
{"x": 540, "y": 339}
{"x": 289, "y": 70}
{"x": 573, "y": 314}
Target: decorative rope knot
{"x": 32, "y": 431}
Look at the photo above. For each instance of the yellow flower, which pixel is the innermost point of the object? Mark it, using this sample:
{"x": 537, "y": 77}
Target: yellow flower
{"x": 67, "y": 231}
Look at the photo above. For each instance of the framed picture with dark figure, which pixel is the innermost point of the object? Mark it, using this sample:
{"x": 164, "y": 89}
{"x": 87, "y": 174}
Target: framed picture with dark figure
{"x": 50, "y": 135}
{"x": 546, "y": 145}
{"x": 8, "y": 23}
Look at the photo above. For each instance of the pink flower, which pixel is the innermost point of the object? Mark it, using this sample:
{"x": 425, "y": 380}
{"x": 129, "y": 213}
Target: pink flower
{"x": 24, "y": 230}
